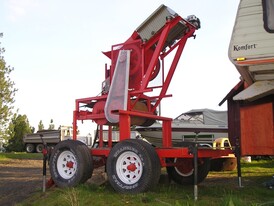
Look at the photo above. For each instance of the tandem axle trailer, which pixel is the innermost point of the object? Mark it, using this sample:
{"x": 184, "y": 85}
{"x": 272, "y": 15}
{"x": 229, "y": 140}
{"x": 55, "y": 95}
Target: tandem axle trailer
{"x": 128, "y": 98}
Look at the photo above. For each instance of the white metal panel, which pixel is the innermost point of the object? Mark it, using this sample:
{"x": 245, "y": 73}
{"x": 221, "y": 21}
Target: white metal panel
{"x": 261, "y": 68}
{"x": 261, "y": 77}
{"x": 118, "y": 92}
{"x": 255, "y": 46}
{"x": 249, "y": 38}
{"x": 155, "y": 22}
{"x": 256, "y": 91}
{"x": 262, "y": 72}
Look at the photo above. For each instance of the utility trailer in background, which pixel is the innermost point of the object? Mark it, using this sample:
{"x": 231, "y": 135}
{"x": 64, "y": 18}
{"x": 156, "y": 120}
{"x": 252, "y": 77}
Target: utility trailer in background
{"x": 130, "y": 97}
{"x": 35, "y": 142}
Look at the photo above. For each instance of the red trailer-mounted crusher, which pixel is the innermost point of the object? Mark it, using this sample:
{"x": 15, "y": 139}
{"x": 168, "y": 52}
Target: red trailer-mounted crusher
{"x": 128, "y": 98}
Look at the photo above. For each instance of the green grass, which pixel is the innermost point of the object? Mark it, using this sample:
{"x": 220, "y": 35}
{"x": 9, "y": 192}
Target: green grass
{"x": 220, "y": 189}
{"x": 162, "y": 195}
{"x": 20, "y": 155}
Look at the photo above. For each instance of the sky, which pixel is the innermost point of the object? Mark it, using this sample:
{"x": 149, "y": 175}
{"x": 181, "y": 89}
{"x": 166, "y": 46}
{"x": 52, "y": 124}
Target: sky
{"x": 55, "y": 47}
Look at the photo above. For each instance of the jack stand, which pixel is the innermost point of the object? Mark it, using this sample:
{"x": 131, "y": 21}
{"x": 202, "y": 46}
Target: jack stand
{"x": 45, "y": 157}
{"x": 238, "y": 156}
{"x": 45, "y": 152}
{"x": 195, "y": 159}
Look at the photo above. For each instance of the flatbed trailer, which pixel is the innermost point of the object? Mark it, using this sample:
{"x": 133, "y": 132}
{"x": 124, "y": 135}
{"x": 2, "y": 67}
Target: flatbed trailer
{"x": 127, "y": 99}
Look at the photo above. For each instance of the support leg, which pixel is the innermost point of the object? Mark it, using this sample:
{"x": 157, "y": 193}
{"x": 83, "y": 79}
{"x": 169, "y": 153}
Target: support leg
{"x": 238, "y": 156}
{"x": 195, "y": 159}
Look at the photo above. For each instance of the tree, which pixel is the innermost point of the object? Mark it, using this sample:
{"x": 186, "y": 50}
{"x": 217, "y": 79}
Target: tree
{"x": 51, "y": 125}
{"x": 7, "y": 94}
{"x": 41, "y": 126}
{"x": 18, "y": 128}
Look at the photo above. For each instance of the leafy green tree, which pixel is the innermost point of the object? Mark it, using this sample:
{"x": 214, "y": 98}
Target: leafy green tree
{"x": 51, "y": 125}
{"x": 40, "y": 126}
{"x": 7, "y": 94}
{"x": 18, "y": 128}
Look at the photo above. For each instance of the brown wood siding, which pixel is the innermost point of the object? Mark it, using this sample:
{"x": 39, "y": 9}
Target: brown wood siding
{"x": 257, "y": 129}
{"x": 233, "y": 121}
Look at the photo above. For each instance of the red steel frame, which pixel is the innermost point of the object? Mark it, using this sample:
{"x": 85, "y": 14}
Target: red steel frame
{"x": 159, "y": 39}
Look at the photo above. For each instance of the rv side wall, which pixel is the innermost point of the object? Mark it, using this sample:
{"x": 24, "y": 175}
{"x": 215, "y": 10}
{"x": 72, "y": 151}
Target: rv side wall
{"x": 249, "y": 39}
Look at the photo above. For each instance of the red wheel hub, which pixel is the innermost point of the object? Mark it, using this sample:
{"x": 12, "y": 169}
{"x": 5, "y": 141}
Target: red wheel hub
{"x": 184, "y": 165}
{"x": 70, "y": 164}
{"x": 131, "y": 167}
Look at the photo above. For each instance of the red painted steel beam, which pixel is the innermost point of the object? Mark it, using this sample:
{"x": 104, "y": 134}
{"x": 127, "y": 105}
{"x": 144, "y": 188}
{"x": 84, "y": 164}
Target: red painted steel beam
{"x": 124, "y": 125}
{"x": 156, "y": 55}
{"x": 144, "y": 114}
{"x": 104, "y": 152}
{"x": 183, "y": 152}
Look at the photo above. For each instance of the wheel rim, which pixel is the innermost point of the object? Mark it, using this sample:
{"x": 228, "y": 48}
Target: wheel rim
{"x": 129, "y": 167}
{"x": 184, "y": 167}
{"x": 30, "y": 148}
{"x": 39, "y": 148}
{"x": 67, "y": 164}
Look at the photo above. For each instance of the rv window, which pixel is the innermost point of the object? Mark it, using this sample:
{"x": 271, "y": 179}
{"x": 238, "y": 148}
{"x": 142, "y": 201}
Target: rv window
{"x": 268, "y": 10}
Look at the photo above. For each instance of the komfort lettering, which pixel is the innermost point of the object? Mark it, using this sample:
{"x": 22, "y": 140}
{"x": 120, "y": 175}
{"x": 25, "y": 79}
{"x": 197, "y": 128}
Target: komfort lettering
{"x": 244, "y": 47}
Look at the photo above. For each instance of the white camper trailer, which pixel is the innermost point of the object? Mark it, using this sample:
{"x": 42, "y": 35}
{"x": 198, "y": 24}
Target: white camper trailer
{"x": 251, "y": 48}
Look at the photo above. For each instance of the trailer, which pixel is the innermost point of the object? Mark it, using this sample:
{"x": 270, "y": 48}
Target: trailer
{"x": 129, "y": 98}
{"x": 35, "y": 142}
{"x": 250, "y": 102}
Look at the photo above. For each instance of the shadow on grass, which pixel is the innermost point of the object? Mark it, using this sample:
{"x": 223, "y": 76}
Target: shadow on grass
{"x": 259, "y": 163}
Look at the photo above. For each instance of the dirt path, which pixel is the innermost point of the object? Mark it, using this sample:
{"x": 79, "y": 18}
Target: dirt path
{"x": 19, "y": 179}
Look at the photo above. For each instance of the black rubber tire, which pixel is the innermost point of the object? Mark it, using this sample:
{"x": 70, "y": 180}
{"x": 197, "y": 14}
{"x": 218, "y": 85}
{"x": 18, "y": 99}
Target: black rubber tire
{"x": 217, "y": 164}
{"x": 30, "y": 148}
{"x": 77, "y": 155}
{"x": 88, "y": 162}
{"x": 39, "y": 148}
{"x": 129, "y": 151}
{"x": 188, "y": 179}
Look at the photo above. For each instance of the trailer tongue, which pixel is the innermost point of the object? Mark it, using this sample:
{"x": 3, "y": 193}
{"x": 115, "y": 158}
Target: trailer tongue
{"x": 128, "y": 98}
